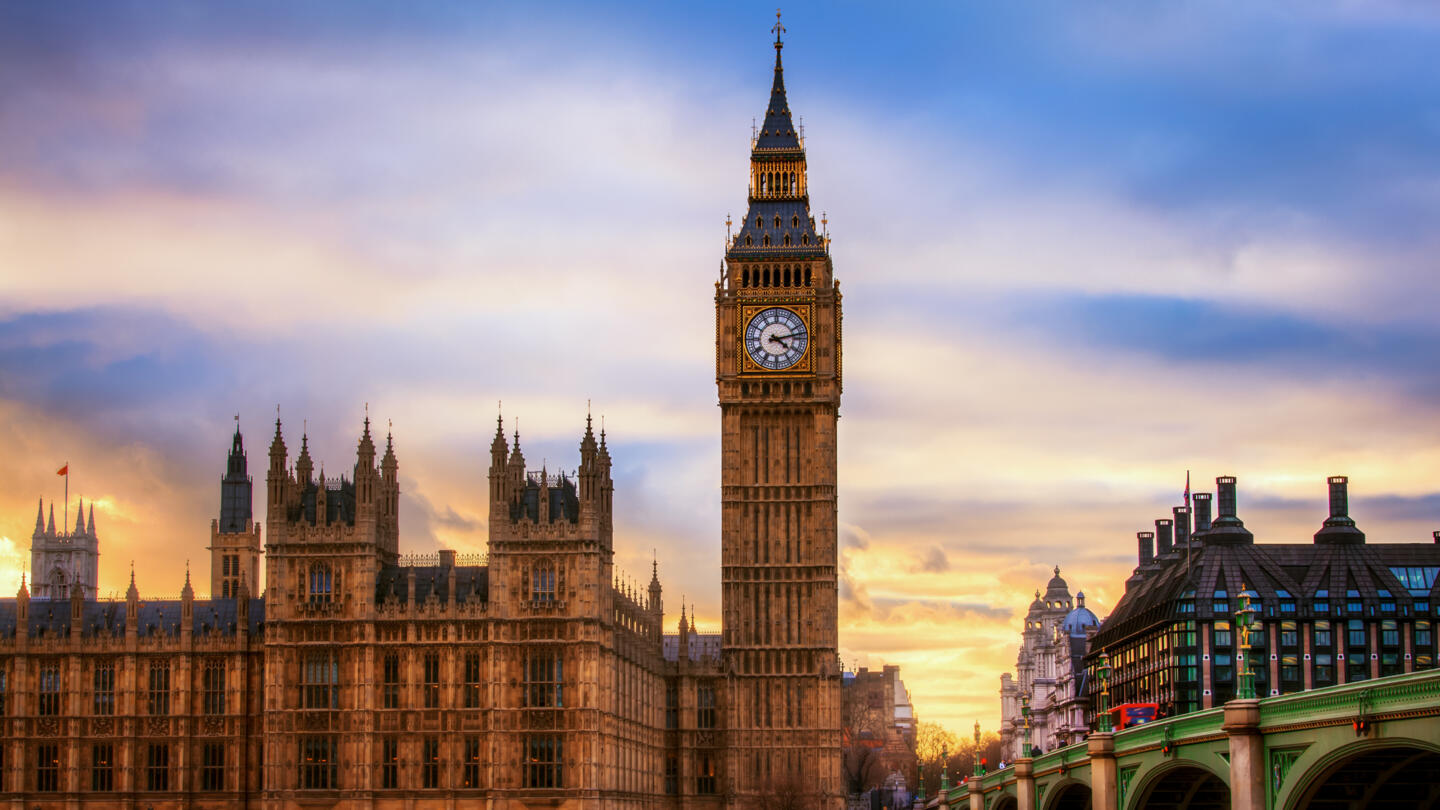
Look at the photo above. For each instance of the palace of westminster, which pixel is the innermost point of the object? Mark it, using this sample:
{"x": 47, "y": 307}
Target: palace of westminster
{"x": 523, "y": 678}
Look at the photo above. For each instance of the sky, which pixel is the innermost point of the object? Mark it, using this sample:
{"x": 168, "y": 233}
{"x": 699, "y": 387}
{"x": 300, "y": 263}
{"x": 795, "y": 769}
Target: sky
{"x": 1084, "y": 249}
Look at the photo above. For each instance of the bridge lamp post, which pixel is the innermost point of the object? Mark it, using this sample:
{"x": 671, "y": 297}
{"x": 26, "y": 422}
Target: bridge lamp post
{"x": 1025, "y": 726}
{"x": 1103, "y": 671}
{"x": 979, "y": 769}
{"x": 1244, "y": 622}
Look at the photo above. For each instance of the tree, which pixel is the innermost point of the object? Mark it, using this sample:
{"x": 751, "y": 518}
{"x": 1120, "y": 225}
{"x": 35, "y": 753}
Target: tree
{"x": 862, "y": 768}
{"x": 932, "y": 744}
{"x": 785, "y": 793}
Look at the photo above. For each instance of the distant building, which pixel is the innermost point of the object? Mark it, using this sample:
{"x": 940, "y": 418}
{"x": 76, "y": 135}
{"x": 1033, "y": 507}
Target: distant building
{"x": 1050, "y": 671}
{"x": 1333, "y": 611}
{"x": 878, "y": 714}
{"x": 67, "y": 560}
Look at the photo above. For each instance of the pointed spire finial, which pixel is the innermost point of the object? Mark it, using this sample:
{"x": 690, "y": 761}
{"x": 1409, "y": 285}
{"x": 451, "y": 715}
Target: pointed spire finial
{"x": 777, "y": 29}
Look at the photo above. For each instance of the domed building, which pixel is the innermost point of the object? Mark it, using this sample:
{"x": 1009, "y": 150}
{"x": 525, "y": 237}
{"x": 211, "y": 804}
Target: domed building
{"x": 1050, "y": 671}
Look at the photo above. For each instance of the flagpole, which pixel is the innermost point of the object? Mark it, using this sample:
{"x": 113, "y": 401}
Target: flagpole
{"x": 66, "y": 528}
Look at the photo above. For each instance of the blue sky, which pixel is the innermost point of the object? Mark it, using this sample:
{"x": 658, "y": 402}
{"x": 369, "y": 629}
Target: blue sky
{"x": 1083, "y": 249}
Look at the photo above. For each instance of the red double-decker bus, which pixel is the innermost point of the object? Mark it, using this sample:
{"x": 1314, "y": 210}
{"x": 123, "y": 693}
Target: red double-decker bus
{"x": 1133, "y": 714}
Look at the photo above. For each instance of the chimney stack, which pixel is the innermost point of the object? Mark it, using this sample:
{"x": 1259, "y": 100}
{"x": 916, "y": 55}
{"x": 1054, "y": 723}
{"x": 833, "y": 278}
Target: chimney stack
{"x": 1182, "y": 527}
{"x": 1339, "y": 528}
{"x": 1163, "y": 538}
{"x": 1147, "y": 546}
{"x": 1437, "y": 535}
{"x": 1227, "y": 528}
{"x": 1201, "y": 505}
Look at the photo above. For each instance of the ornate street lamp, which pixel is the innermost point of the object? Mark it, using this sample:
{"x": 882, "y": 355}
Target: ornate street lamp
{"x": 1244, "y": 623}
{"x": 944, "y": 771}
{"x": 1104, "y": 672}
{"x": 979, "y": 769}
{"x": 1025, "y": 727}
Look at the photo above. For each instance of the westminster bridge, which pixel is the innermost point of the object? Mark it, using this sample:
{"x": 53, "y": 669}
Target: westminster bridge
{"x": 1370, "y": 744}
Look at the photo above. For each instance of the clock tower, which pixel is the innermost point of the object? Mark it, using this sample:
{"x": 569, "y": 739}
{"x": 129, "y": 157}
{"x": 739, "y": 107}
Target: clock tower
{"x": 777, "y": 367}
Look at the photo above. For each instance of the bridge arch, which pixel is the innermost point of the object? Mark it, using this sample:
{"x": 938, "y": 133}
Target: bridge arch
{"x": 1068, "y": 794}
{"x": 1369, "y": 773}
{"x": 1182, "y": 784}
{"x": 1006, "y": 802}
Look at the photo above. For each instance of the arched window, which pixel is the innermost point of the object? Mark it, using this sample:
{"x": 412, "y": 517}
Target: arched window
{"x": 542, "y": 583}
{"x": 795, "y": 221}
{"x": 766, "y": 241}
{"x": 745, "y": 277}
{"x": 747, "y": 241}
{"x": 759, "y": 222}
{"x": 805, "y": 240}
{"x": 807, "y": 277}
{"x": 787, "y": 272}
{"x": 777, "y": 220}
{"x": 767, "y": 274}
{"x": 320, "y": 583}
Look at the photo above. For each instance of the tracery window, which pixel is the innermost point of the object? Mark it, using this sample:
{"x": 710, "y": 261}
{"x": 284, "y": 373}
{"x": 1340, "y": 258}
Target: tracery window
{"x": 390, "y": 681}
{"x": 431, "y": 666}
{"x": 212, "y": 686}
{"x": 705, "y": 706}
{"x": 49, "y": 685}
{"x": 321, "y": 584}
{"x": 104, "y": 683}
{"x": 212, "y": 767}
{"x": 102, "y": 767}
{"x": 542, "y": 583}
{"x": 390, "y": 763}
{"x": 318, "y": 765}
{"x": 430, "y": 763}
{"x": 544, "y": 761}
{"x": 544, "y": 676}
{"x": 320, "y": 681}
{"x": 470, "y": 771}
{"x": 472, "y": 680}
{"x": 157, "y": 767}
{"x": 47, "y": 767}
{"x": 157, "y": 700}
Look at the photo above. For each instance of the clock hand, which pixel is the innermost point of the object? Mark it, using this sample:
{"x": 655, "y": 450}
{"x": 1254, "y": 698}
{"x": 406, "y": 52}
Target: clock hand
{"x": 781, "y": 341}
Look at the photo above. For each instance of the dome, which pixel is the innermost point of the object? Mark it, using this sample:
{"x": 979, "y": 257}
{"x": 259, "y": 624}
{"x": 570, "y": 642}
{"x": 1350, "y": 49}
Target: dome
{"x": 1056, "y": 585}
{"x": 1038, "y": 605}
{"x": 1080, "y": 619}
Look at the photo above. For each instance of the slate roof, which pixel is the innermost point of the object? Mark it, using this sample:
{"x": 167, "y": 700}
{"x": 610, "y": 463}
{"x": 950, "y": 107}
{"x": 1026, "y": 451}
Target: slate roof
{"x": 472, "y": 582}
{"x": 51, "y": 618}
{"x": 703, "y": 646}
{"x": 778, "y": 131}
{"x": 1302, "y": 571}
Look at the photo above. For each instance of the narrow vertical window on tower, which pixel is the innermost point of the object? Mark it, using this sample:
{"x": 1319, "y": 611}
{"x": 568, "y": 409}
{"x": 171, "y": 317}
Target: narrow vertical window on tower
{"x": 49, "y": 689}
{"x": 320, "y": 583}
{"x": 390, "y": 681}
{"x": 158, "y": 697}
{"x": 213, "y": 685}
{"x": 431, "y": 667}
{"x": 104, "y": 684}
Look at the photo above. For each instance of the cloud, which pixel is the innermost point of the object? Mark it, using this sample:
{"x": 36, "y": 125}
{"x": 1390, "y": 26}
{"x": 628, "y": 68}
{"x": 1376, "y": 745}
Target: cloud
{"x": 932, "y": 561}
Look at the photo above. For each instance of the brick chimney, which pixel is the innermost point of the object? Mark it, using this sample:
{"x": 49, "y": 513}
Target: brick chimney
{"x": 1163, "y": 539}
{"x": 1200, "y": 503}
{"x": 1339, "y": 528}
{"x": 1147, "y": 546}
{"x": 1227, "y": 528}
{"x": 1182, "y": 527}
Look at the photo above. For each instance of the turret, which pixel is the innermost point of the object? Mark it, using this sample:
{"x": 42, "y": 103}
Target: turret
{"x": 657, "y": 608}
{"x": 684, "y": 640}
{"x": 187, "y": 607}
{"x": 499, "y": 475}
{"x": 236, "y": 488}
{"x": 132, "y": 607}
{"x": 275, "y": 480}
{"x": 80, "y": 519}
{"x": 366, "y": 478}
{"x": 50, "y": 529}
{"x": 304, "y": 465}
{"x": 22, "y": 615}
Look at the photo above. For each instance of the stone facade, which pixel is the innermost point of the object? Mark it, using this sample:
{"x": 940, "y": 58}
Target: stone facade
{"x": 66, "y": 560}
{"x": 778, "y": 374}
{"x": 878, "y": 714}
{"x": 1050, "y": 672}
{"x": 527, "y": 677}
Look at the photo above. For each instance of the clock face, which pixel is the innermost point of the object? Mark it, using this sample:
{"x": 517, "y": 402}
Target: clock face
{"x": 776, "y": 338}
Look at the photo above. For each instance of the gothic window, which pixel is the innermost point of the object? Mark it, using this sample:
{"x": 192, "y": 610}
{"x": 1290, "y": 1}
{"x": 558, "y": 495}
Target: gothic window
{"x": 47, "y": 767}
{"x": 430, "y": 763}
{"x": 320, "y": 681}
{"x": 49, "y": 689}
{"x": 544, "y": 758}
{"x": 157, "y": 767}
{"x": 225, "y": 589}
{"x": 805, "y": 240}
{"x": 472, "y": 680}
{"x": 320, "y": 583}
{"x": 431, "y": 670}
{"x": 470, "y": 770}
{"x": 4, "y": 687}
{"x": 390, "y": 681}
{"x": 318, "y": 766}
{"x": 157, "y": 700}
{"x": 795, "y": 221}
{"x": 766, "y": 241}
{"x": 544, "y": 676}
{"x": 759, "y": 222}
{"x": 672, "y": 774}
{"x": 747, "y": 241}
{"x": 212, "y": 685}
{"x": 787, "y": 244}
{"x": 542, "y": 583}
{"x": 672, "y": 705}
{"x": 777, "y": 220}
{"x": 104, "y": 682}
{"x": 212, "y": 767}
{"x": 705, "y": 775}
{"x": 705, "y": 706}
{"x": 390, "y": 763}
{"x": 102, "y": 767}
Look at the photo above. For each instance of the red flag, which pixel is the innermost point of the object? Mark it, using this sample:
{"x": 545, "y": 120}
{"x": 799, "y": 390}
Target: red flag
{"x": 1187, "y": 487}
{"x": 63, "y": 470}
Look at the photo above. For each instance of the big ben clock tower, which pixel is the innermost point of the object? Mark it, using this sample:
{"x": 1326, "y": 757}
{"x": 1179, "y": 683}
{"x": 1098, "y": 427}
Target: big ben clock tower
{"x": 777, "y": 367}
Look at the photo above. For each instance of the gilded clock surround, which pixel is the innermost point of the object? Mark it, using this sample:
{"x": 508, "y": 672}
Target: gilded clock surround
{"x": 804, "y": 310}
